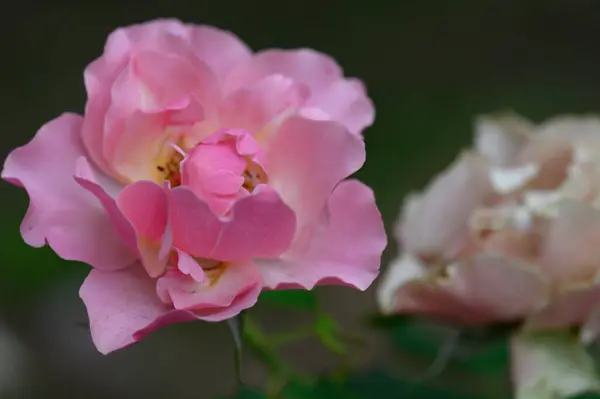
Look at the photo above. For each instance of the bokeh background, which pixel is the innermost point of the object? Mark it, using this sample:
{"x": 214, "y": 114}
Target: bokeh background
{"x": 430, "y": 67}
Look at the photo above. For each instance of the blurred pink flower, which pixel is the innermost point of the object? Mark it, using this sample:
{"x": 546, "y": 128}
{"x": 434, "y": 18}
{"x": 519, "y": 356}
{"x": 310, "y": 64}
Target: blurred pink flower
{"x": 509, "y": 232}
{"x": 200, "y": 174}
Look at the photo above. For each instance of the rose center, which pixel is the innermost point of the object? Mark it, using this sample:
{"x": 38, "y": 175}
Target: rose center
{"x": 253, "y": 176}
{"x": 170, "y": 171}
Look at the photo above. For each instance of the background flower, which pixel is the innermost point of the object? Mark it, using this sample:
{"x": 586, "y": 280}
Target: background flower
{"x": 508, "y": 233}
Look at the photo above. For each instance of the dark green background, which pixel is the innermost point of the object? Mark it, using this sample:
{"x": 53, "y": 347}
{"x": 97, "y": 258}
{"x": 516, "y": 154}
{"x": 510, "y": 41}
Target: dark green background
{"x": 429, "y": 65}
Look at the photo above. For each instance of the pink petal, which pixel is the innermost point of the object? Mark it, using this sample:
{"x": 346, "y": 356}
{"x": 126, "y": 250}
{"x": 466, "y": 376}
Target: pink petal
{"x": 123, "y": 308}
{"x": 567, "y": 259}
{"x": 306, "y": 159}
{"x": 101, "y": 74}
{"x": 87, "y": 179}
{"x": 263, "y": 103}
{"x": 61, "y": 213}
{"x": 344, "y": 100}
{"x": 188, "y": 266}
{"x": 500, "y": 138}
{"x": 569, "y": 307}
{"x": 486, "y": 289}
{"x": 145, "y": 206}
{"x": 130, "y": 76}
{"x": 148, "y": 237}
{"x": 401, "y": 271}
{"x": 219, "y": 49}
{"x": 437, "y": 222}
{"x": 142, "y": 85}
{"x": 92, "y": 130}
{"x": 260, "y": 225}
{"x": 345, "y": 249}
{"x": 232, "y": 290}
{"x": 309, "y": 67}
{"x": 168, "y": 34}
{"x": 133, "y": 144}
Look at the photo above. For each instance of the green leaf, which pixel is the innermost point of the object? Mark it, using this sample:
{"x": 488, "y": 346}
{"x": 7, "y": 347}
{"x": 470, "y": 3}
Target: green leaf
{"x": 328, "y": 330}
{"x": 299, "y": 299}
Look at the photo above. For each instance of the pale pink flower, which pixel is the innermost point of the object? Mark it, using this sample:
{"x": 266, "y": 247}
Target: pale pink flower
{"x": 509, "y": 232}
{"x": 200, "y": 174}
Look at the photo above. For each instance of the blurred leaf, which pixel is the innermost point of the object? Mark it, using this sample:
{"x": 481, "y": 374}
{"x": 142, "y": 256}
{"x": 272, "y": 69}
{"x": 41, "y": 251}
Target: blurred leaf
{"x": 589, "y": 395}
{"x": 381, "y": 385}
{"x": 388, "y": 321}
{"x": 246, "y": 393}
{"x": 470, "y": 352}
{"x": 327, "y": 330}
{"x": 300, "y": 299}
{"x": 321, "y": 389}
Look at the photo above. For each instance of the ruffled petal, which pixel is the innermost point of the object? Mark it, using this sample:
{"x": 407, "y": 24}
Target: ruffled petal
{"x": 260, "y": 226}
{"x": 226, "y": 291}
{"x": 344, "y": 248}
{"x": 486, "y": 289}
{"x": 123, "y": 307}
{"x": 62, "y": 213}
{"x": 306, "y": 159}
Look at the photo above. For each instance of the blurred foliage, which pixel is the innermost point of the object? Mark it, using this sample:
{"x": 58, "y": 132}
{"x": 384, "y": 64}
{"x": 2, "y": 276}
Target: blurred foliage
{"x": 299, "y": 299}
{"x": 373, "y": 384}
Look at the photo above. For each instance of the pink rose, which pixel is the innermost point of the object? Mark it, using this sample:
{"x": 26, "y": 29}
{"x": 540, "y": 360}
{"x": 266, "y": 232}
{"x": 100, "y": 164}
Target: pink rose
{"x": 200, "y": 174}
{"x": 509, "y": 232}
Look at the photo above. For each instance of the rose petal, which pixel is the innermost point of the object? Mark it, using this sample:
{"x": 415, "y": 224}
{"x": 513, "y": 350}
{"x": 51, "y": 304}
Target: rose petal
{"x": 437, "y": 222}
{"x": 345, "y": 250}
{"x": 500, "y": 137}
{"x": 187, "y": 265}
{"x": 309, "y": 67}
{"x": 130, "y": 76}
{"x": 142, "y": 85}
{"x": 230, "y": 290}
{"x": 221, "y": 50}
{"x": 306, "y": 159}
{"x": 161, "y": 35}
{"x": 343, "y": 100}
{"x": 571, "y": 253}
{"x": 71, "y": 220}
{"x": 486, "y": 289}
{"x": 260, "y": 225}
{"x": 569, "y": 307}
{"x": 570, "y": 127}
{"x": 123, "y": 308}
{"x": 144, "y": 227}
{"x": 400, "y": 272}
{"x": 145, "y": 205}
{"x": 264, "y": 103}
